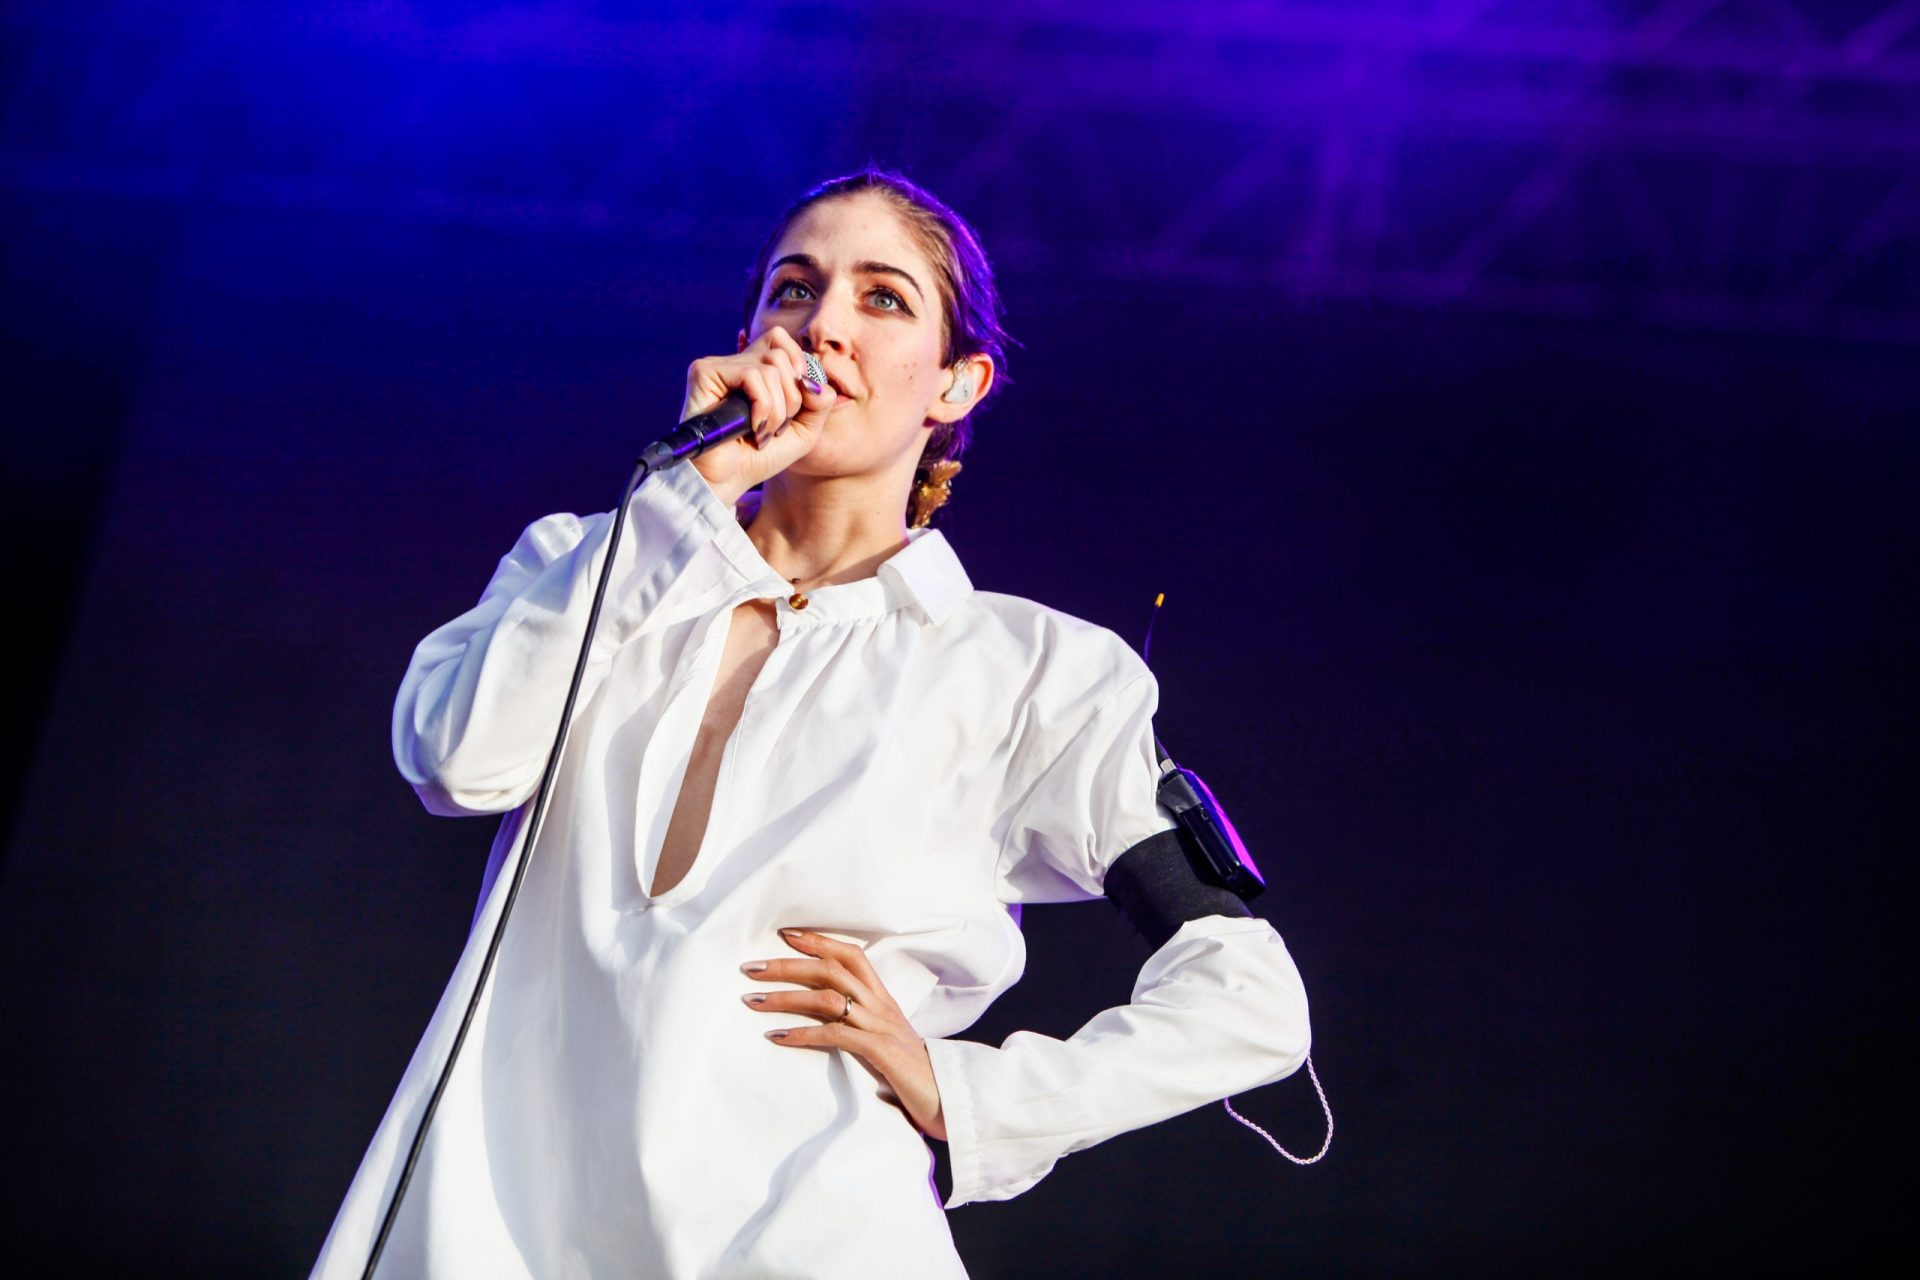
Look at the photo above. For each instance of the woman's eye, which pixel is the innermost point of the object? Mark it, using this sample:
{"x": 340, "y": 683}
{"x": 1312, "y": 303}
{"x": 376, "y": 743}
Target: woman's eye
{"x": 798, "y": 290}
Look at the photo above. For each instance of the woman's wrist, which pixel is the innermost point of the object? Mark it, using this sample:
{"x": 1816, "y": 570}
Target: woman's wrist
{"x": 729, "y": 492}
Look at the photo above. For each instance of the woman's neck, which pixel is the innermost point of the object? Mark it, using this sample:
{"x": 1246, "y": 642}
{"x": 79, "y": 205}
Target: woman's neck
{"x": 817, "y": 531}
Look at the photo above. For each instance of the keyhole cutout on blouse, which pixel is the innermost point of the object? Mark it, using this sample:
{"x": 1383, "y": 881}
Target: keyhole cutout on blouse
{"x": 752, "y": 633}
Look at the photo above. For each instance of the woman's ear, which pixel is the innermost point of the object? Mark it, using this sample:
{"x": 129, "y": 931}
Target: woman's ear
{"x": 743, "y": 343}
{"x": 971, "y": 378}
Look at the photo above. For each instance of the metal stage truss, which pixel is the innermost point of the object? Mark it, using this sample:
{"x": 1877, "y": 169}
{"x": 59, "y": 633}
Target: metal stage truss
{"x": 1696, "y": 164}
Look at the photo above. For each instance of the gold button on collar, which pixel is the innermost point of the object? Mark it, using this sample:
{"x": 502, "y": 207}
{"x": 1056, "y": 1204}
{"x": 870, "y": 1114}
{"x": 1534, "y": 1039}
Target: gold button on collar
{"x": 798, "y": 600}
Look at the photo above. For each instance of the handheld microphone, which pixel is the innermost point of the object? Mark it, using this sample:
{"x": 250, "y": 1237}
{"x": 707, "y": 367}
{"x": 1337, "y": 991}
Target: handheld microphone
{"x": 730, "y": 418}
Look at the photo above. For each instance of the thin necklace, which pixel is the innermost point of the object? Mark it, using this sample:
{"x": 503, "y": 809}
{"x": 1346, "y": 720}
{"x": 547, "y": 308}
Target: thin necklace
{"x": 799, "y": 598}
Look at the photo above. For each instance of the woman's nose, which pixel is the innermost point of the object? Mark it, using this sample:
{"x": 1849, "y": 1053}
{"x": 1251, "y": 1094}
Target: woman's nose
{"x": 825, "y": 328}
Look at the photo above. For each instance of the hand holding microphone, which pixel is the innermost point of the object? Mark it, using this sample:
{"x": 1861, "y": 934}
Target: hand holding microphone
{"x": 783, "y": 416}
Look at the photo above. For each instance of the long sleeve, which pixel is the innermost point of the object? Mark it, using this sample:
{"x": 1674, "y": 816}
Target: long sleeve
{"x": 481, "y": 699}
{"x": 1216, "y": 1010}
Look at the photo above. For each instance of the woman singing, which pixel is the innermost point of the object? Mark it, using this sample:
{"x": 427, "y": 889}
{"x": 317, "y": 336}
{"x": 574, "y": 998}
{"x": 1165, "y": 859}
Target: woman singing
{"x": 811, "y": 777}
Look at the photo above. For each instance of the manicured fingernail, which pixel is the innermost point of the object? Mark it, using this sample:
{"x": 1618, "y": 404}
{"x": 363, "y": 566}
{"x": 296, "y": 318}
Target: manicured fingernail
{"x": 753, "y": 966}
{"x": 777, "y": 1035}
{"x": 793, "y": 933}
{"x": 755, "y": 997}
{"x": 813, "y": 386}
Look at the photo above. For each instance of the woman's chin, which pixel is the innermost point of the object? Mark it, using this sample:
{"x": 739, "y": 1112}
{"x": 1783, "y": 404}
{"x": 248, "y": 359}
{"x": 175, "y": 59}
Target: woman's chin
{"x": 838, "y": 452}
{"x": 829, "y": 456}
{"x": 815, "y": 468}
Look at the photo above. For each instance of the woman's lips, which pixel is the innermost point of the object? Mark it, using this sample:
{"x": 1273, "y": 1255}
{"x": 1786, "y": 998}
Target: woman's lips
{"x": 839, "y": 388}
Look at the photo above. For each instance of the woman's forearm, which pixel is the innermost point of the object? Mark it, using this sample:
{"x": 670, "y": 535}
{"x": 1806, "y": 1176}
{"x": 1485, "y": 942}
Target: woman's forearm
{"x": 1218, "y": 1009}
{"x": 480, "y": 702}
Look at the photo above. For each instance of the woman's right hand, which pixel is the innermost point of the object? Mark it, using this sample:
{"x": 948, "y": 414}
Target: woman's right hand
{"x": 788, "y": 415}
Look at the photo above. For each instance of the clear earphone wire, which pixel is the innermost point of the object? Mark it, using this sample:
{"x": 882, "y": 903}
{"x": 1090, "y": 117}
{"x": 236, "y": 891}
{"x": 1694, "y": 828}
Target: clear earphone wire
{"x": 1325, "y": 1108}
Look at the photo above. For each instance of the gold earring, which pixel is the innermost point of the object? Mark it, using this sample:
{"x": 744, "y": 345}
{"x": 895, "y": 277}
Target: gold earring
{"x": 930, "y": 494}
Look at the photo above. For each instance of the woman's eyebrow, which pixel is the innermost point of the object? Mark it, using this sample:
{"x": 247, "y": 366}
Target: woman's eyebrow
{"x": 882, "y": 269}
{"x": 806, "y": 260}
{"x": 811, "y": 263}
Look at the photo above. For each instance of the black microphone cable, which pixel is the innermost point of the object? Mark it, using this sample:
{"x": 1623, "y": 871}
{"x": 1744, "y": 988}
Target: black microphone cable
{"x": 731, "y": 418}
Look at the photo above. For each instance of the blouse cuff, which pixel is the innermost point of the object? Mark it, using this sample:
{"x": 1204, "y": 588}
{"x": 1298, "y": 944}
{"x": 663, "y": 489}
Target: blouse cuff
{"x": 675, "y": 514}
{"x": 681, "y": 506}
{"x": 954, "y": 1066}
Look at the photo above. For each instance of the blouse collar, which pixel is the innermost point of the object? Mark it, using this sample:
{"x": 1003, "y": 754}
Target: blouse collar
{"x": 926, "y": 573}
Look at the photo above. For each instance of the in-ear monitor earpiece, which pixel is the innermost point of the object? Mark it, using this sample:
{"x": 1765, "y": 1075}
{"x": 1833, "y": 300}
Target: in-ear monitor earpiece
{"x": 962, "y": 389}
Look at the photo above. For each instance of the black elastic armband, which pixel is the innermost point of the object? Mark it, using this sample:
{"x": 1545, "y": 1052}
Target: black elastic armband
{"x": 1199, "y": 868}
{"x": 1157, "y": 889}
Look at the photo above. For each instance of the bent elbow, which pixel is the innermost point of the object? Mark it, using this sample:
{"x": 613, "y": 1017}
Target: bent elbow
{"x": 447, "y": 789}
{"x": 429, "y": 753}
{"x": 1286, "y": 1032}
{"x": 1293, "y": 1040}
{"x": 447, "y": 794}
{"x": 446, "y": 802}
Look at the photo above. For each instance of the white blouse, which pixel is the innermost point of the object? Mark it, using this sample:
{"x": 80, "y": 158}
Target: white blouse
{"x": 914, "y": 761}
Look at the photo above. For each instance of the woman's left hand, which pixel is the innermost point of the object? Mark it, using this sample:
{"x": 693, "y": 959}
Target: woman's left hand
{"x": 874, "y": 1029}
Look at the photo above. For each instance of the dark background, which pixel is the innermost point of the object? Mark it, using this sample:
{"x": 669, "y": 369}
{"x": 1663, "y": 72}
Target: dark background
{"x": 1516, "y": 404}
